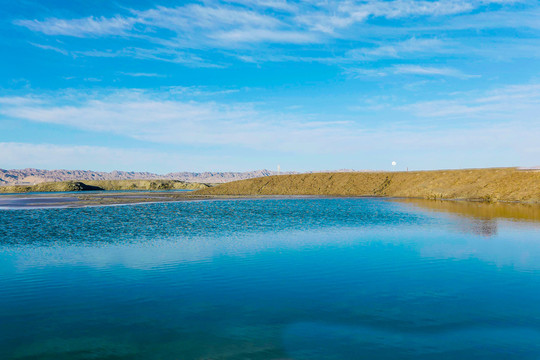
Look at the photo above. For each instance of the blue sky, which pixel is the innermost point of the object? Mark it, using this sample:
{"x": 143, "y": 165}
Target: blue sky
{"x": 169, "y": 86}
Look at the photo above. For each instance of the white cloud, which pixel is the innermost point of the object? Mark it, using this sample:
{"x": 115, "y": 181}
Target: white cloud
{"x": 90, "y": 26}
{"x": 170, "y": 55}
{"x": 209, "y": 19}
{"x": 151, "y": 117}
{"x": 400, "y": 49}
{"x": 430, "y": 71}
{"x": 52, "y": 48}
{"x": 408, "y": 70}
{"x": 516, "y": 103}
{"x": 162, "y": 54}
{"x": 501, "y": 19}
{"x": 142, "y": 74}
{"x": 332, "y": 16}
{"x": 14, "y": 101}
{"x": 406, "y": 8}
{"x": 194, "y": 16}
{"x": 362, "y": 72}
{"x": 54, "y": 156}
{"x": 281, "y": 5}
{"x": 203, "y": 24}
{"x": 182, "y": 34}
{"x": 264, "y": 35}
{"x": 508, "y": 115}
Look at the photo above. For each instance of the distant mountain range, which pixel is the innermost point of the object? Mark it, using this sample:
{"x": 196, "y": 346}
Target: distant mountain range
{"x": 36, "y": 176}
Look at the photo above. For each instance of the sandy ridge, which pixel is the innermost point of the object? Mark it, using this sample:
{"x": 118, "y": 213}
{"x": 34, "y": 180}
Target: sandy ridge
{"x": 496, "y": 184}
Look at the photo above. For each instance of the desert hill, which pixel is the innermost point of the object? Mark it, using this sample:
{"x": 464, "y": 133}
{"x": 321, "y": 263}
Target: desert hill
{"x": 496, "y": 184}
{"x": 61, "y": 186}
{"x": 37, "y": 176}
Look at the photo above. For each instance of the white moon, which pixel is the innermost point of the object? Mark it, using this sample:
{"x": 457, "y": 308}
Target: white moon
{"x": 394, "y": 163}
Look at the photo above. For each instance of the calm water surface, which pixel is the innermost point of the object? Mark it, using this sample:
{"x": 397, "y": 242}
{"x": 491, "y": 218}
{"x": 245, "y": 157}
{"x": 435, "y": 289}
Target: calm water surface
{"x": 271, "y": 279}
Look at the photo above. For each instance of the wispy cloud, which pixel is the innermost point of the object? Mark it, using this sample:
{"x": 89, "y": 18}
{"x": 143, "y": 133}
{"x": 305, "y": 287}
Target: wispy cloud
{"x": 54, "y": 156}
{"x": 223, "y": 25}
{"x": 330, "y": 17}
{"x": 508, "y": 114}
{"x": 400, "y": 49}
{"x": 402, "y": 69}
{"x": 85, "y": 27}
{"x": 514, "y": 103}
{"x": 207, "y": 24}
{"x": 323, "y": 17}
{"x": 498, "y": 19}
{"x": 170, "y": 55}
{"x": 355, "y": 72}
{"x": 290, "y": 31}
{"x": 152, "y": 117}
{"x": 338, "y": 15}
{"x": 193, "y": 17}
{"x": 142, "y": 74}
{"x": 52, "y": 48}
{"x": 281, "y": 5}
{"x": 164, "y": 54}
{"x": 265, "y": 35}
{"x": 430, "y": 71}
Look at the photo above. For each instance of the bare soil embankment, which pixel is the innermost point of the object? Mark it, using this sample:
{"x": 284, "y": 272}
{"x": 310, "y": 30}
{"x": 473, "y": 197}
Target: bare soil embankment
{"x": 88, "y": 185}
{"x": 497, "y": 184}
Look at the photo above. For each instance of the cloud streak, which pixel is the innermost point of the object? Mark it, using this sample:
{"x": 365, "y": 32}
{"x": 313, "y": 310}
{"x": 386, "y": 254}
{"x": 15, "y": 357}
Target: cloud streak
{"x": 508, "y": 114}
{"x": 153, "y": 118}
{"x": 298, "y": 31}
{"x": 425, "y": 71}
{"x": 85, "y": 27}
{"x": 212, "y": 17}
{"x": 515, "y": 103}
{"x": 430, "y": 71}
{"x": 196, "y": 27}
{"x": 54, "y": 156}
{"x": 401, "y": 49}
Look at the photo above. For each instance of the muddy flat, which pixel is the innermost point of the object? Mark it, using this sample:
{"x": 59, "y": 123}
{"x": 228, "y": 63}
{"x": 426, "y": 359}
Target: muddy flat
{"x": 104, "y": 198}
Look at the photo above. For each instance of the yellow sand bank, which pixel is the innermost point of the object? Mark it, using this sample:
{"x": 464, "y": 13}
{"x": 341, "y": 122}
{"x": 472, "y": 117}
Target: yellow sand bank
{"x": 104, "y": 185}
{"x": 497, "y": 184}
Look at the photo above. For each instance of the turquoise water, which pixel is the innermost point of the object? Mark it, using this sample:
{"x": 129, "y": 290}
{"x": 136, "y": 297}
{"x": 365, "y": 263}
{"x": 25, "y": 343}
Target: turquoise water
{"x": 267, "y": 279}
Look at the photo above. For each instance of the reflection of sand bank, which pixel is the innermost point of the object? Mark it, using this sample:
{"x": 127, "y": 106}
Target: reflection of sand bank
{"x": 479, "y": 218}
{"x": 35, "y": 202}
{"x": 482, "y": 213}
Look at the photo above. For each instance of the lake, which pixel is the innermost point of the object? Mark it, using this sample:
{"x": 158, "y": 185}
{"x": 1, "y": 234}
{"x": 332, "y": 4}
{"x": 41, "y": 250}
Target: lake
{"x": 299, "y": 278}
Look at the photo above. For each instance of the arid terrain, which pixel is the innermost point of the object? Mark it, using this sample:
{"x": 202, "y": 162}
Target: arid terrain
{"x": 491, "y": 185}
{"x": 486, "y": 185}
{"x": 37, "y": 176}
{"x": 89, "y": 185}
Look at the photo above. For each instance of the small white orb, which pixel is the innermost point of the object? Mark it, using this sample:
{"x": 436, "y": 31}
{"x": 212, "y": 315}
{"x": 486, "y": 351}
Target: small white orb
{"x": 394, "y": 163}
